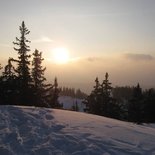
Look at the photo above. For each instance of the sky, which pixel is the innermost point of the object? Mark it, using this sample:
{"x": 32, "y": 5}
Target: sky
{"x": 114, "y": 36}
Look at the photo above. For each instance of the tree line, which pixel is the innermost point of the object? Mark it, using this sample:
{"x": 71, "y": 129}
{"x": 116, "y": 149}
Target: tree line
{"x": 23, "y": 82}
{"x": 75, "y": 93}
{"x": 123, "y": 103}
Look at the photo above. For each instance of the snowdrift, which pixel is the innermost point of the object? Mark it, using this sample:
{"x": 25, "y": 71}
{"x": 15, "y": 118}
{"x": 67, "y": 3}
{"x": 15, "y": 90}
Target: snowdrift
{"x": 40, "y": 131}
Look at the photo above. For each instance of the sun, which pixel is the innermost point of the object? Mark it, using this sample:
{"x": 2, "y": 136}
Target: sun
{"x": 60, "y": 55}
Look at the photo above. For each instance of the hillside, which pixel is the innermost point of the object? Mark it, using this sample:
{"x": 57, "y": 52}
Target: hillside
{"x": 40, "y": 131}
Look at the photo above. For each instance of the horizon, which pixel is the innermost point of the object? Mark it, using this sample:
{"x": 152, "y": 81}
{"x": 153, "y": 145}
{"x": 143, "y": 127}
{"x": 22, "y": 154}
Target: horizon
{"x": 94, "y": 37}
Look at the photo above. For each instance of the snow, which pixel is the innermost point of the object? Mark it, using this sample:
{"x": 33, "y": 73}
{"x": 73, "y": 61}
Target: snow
{"x": 41, "y": 131}
{"x": 68, "y": 102}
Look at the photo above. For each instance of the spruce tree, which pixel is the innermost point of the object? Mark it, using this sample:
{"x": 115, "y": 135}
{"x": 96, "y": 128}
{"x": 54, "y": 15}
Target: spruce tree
{"x": 107, "y": 100}
{"x": 9, "y": 71}
{"x": 9, "y": 84}
{"x": 93, "y": 101}
{"x": 54, "y": 95}
{"x": 38, "y": 78}
{"x": 100, "y": 101}
{"x": 23, "y": 68}
{"x": 110, "y": 107}
{"x": 136, "y": 110}
{"x": 149, "y": 106}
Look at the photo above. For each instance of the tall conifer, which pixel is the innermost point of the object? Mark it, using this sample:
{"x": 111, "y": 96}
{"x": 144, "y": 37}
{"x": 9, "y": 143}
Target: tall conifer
{"x": 23, "y": 67}
{"x": 38, "y": 78}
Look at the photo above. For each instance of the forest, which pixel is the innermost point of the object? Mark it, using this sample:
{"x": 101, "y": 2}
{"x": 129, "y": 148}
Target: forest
{"x": 23, "y": 82}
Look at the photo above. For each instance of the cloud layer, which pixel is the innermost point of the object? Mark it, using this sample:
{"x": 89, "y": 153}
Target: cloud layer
{"x": 83, "y": 70}
{"x": 139, "y": 57}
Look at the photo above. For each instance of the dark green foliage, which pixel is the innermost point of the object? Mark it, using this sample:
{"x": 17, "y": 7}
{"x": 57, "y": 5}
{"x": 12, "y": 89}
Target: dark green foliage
{"x": 100, "y": 101}
{"x": 38, "y": 79}
{"x": 136, "y": 105}
{"x": 149, "y": 106}
{"x": 9, "y": 85}
{"x": 107, "y": 100}
{"x": 65, "y": 91}
{"x": 54, "y": 95}
{"x": 9, "y": 71}
{"x": 93, "y": 101}
{"x": 79, "y": 94}
{"x": 18, "y": 86}
{"x": 23, "y": 68}
{"x": 121, "y": 93}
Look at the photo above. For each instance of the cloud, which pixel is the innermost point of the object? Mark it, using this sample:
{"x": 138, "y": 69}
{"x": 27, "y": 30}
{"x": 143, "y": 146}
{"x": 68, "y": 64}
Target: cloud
{"x": 92, "y": 59}
{"x": 43, "y": 40}
{"x": 138, "y": 57}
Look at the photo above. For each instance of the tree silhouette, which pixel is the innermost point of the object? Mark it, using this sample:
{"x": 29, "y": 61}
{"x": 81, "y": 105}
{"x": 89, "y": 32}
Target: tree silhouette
{"x": 149, "y": 106}
{"x": 38, "y": 79}
{"x": 93, "y": 101}
{"x": 136, "y": 110}
{"x": 9, "y": 84}
{"x": 100, "y": 101}
{"x": 106, "y": 95}
{"x": 54, "y": 95}
{"x": 23, "y": 68}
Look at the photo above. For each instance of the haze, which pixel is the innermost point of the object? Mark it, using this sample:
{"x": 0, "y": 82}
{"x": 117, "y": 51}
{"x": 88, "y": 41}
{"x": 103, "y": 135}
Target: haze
{"x": 114, "y": 36}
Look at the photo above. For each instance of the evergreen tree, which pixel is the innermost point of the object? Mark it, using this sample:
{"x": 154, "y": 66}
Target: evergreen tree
{"x": 122, "y": 93}
{"x": 80, "y": 94}
{"x": 54, "y": 95}
{"x": 101, "y": 102}
{"x": 38, "y": 79}
{"x": 9, "y": 71}
{"x": 93, "y": 101}
{"x": 149, "y": 106}
{"x": 136, "y": 109}
{"x": 23, "y": 68}
{"x": 106, "y": 90}
{"x": 9, "y": 90}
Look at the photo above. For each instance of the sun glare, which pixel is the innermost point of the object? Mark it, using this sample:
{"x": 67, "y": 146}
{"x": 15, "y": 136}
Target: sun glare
{"x": 60, "y": 55}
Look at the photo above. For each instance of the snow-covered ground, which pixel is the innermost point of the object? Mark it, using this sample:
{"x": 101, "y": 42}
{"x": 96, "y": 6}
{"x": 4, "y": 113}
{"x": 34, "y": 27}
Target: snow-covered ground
{"x": 68, "y": 102}
{"x": 40, "y": 131}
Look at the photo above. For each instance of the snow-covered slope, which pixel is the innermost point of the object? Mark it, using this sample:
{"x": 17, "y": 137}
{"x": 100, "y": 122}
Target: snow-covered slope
{"x": 40, "y": 131}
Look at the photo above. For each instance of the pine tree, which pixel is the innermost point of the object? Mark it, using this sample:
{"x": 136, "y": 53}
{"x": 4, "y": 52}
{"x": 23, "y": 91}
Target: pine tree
{"x": 101, "y": 102}
{"x": 107, "y": 100}
{"x": 9, "y": 71}
{"x": 9, "y": 84}
{"x": 38, "y": 78}
{"x": 135, "y": 110}
{"x": 93, "y": 101}
{"x": 149, "y": 106}
{"x": 54, "y": 95}
{"x": 23, "y": 69}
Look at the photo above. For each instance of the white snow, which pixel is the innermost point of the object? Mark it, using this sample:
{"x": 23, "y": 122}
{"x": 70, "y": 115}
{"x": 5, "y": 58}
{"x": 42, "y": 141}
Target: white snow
{"x": 68, "y": 102}
{"x": 41, "y": 131}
